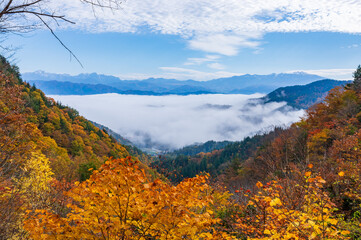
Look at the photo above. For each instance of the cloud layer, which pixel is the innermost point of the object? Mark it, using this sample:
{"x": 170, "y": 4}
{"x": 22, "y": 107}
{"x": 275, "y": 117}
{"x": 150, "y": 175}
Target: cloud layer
{"x": 218, "y": 26}
{"x": 176, "y": 121}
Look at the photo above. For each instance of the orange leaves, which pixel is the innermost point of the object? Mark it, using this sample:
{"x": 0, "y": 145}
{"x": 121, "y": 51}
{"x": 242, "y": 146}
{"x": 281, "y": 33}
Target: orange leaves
{"x": 122, "y": 202}
{"x": 268, "y": 214}
{"x": 259, "y": 184}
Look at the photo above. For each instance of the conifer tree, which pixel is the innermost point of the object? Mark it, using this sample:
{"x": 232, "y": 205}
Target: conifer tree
{"x": 357, "y": 79}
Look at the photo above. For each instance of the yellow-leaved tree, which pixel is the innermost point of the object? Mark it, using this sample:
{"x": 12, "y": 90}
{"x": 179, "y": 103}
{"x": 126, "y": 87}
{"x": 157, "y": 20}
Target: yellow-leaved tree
{"x": 34, "y": 184}
{"x": 270, "y": 215}
{"x": 27, "y": 190}
{"x": 119, "y": 201}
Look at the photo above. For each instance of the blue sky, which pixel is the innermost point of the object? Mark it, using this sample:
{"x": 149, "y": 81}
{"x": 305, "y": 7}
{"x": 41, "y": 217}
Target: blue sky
{"x": 200, "y": 39}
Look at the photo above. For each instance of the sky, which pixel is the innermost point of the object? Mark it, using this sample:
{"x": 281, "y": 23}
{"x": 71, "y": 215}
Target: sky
{"x": 198, "y": 39}
{"x": 171, "y": 122}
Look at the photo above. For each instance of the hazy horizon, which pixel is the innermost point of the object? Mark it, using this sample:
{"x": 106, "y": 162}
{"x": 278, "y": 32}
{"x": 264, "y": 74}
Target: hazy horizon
{"x": 321, "y": 73}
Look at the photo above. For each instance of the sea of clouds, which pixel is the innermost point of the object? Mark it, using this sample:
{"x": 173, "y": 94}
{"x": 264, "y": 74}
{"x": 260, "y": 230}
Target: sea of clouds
{"x": 169, "y": 122}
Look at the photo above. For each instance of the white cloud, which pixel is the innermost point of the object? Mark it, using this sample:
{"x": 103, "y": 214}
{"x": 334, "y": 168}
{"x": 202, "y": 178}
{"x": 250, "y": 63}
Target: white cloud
{"x": 222, "y": 44}
{"x": 353, "y": 46}
{"x": 339, "y": 74}
{"x": 217, "y": 66}
{"x": 176, "y": 121}
{"x": 219, "y": 26}
{"x": 199, "y": 61}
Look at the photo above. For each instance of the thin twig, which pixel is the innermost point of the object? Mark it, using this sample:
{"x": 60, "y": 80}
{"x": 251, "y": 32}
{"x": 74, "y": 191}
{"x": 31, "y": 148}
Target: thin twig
{"x": 60, "y": 41}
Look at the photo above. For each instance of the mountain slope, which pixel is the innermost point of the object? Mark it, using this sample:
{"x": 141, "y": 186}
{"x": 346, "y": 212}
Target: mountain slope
{"x": 303, "y": 96}
{"x": 198, "y": 148}
{"x": 214, "y": 158}
{"x": 70, "y": 142}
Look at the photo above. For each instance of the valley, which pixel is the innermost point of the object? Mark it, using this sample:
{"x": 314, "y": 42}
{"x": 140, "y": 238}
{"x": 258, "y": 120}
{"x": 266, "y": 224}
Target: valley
{"x": 169, "y": 120}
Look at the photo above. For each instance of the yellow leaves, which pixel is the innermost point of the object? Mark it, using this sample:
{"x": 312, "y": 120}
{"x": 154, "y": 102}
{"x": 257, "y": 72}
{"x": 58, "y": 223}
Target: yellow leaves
{"x": 275, "y": 202}
{"x": 123, "y": 199}
{"x": 332, "y": 221}
{"x": 210, "y": 212}
{"x": 313, "y": 235}
{"x": 36, "y": 179}
{"x": 341, "y": 174}
{"x": 273, "y": 218}
{"x": 312, "y": 223}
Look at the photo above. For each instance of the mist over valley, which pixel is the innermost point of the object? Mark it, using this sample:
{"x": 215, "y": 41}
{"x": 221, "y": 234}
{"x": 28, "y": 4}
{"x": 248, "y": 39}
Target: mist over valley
{"x": 171, "y": 122}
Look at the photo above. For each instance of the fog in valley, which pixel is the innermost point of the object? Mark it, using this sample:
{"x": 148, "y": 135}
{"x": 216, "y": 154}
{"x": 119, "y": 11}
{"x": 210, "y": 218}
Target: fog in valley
{"x": 169, "y": 122}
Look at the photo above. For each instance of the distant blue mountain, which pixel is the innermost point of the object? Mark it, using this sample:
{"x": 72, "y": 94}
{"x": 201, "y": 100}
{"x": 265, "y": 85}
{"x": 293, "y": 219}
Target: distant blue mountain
{"x": 91, "y": 78}
{"x": 303, "y": 96}
{"x": 96, "y": 83}
{"x": 69, "y": 88}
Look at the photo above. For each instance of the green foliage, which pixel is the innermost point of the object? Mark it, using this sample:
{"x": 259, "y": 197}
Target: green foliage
{"x": 357, "y": 74}
{"x": 356, "y": 85}
{"x": 205, "y": 147}
{"x": 86, "y": 170}
{"x": 177, "y": 167}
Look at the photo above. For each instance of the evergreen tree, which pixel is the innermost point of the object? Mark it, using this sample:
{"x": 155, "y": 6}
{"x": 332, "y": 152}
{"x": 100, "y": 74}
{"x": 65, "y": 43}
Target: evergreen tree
{"x": 357, "y": 79}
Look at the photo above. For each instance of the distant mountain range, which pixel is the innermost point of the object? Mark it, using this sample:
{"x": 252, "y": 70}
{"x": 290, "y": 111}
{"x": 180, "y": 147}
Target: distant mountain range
{"x": 85, "y": 84}
{"x": 299, "y": 90}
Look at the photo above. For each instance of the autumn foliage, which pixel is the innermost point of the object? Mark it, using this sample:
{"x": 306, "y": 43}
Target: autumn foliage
{"x": 33, "y": 160}
{"x": 120, "y": 202}
{"x": 271, "y": 214}
{"x": 63, "y": 178}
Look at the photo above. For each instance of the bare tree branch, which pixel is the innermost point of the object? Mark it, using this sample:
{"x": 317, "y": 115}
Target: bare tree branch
{"x": 59, "y": 40}
{"x": 112, "y": 4}
{"x": 14, "y": 16}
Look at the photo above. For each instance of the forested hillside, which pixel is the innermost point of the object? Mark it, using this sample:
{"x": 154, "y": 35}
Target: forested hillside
{"x": 303, "y": 96}
{"x": 42, "y": 140}
{"x": 198, "y": 148}
{"x": 179, "y": 165}
{"x": 302, "y": 182}
{"x": 129, "y": 146}
{"x": 69, "y": 141}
